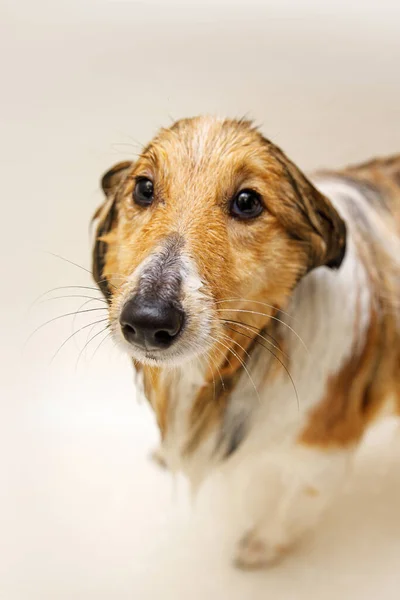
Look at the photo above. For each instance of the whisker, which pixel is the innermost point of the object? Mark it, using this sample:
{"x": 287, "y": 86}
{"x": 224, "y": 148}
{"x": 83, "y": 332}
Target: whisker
{"x": 277, "y": 358}
{"x": 225, "y": 358}
{"x": 256, "y": 332}
{"x": 77, "y": 313}
{"x": 61, "y": 317}
{"x": 62, "y": 287}
{"x": 108, "y": 335}
{"x": 90, "y": 331}
{"x": 73, "y": 334}
{"x": 135, "y": 145}
{"x": 229, "y": 340}
{"x": 125, "y": 153}
{"x": 115, "y": 276}
{"x": 66, "y": 287}
{"x": 135, "y": 141}
{"x": 219, "y": 372}
{"x": 72, "y": 296}
{"x": 87, "y": 344}
{"x": 257, "y": 302}
{"x": 241, "y": 362}
{"x": 253, "y": 312}
{"x": 71, "y": 262}
{"x": 209, "y": 367}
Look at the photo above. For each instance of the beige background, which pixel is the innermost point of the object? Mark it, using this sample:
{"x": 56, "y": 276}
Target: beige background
{"x": 83, "y": 513}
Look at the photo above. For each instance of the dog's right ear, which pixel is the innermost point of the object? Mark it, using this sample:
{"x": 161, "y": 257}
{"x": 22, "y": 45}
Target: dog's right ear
{"x": 106, "y": 215}
{"x": 111, "y": 179}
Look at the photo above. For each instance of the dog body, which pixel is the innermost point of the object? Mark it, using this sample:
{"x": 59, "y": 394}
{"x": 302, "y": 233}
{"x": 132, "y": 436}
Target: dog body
{"x": 279, "y": 338}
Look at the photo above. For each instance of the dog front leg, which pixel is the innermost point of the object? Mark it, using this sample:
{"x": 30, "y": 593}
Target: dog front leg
{"x": 291, "y": 489}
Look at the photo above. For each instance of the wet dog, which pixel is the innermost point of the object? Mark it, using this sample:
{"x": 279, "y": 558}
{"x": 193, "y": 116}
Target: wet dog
{"x": 261, "y": 308}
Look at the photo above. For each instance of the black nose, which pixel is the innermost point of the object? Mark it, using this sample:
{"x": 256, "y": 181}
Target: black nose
{"x": 150, "y": 324}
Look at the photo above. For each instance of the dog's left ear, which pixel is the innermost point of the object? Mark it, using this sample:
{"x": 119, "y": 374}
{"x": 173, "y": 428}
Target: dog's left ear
{"x": 311, "y": 217}
{"x": 106, "y": 215}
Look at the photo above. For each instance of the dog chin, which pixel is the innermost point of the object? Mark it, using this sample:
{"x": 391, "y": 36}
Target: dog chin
{"x": 171, "y": 357}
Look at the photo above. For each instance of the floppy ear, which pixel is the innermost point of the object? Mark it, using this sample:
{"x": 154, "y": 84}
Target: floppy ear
{"x": 310, "y": 217}
{"x": 106, "y": 215}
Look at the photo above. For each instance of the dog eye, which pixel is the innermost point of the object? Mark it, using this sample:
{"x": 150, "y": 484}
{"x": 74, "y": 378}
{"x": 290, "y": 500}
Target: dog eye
{"x": 246, "y": 205}
{"x": 143, "y": 193}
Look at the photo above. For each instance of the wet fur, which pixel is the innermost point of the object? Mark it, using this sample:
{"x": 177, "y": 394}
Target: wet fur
{"x": 279, "y": 400}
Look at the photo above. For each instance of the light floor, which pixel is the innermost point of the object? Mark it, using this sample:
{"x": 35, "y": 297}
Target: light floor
{"x": 87, "y": 515}
{"x": 84, "y": 515}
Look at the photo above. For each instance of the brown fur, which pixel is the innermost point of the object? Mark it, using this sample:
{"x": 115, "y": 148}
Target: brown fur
{"x": 340, "y": 417}
{"x": 355, "y": 394}
{"x": 300, "y": 229}
{"x": 157, "y": 392}
{"x": 197, "y": 166}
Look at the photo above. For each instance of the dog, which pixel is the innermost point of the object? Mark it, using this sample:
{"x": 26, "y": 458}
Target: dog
{"x": 261, "y": 310}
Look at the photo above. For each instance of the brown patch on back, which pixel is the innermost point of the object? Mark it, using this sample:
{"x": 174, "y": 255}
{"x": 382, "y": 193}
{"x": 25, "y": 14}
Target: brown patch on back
{"x": 339, "y": 418}
{"x": 355, "y": 394}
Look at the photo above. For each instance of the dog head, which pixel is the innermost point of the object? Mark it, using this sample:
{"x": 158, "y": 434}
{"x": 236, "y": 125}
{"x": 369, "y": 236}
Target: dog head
{"x": 210, "y": 220}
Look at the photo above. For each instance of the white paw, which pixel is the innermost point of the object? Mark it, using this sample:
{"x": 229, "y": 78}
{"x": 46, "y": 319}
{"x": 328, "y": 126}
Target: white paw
{"x": 157, "y": 456}
{"x": 255, "y": 553}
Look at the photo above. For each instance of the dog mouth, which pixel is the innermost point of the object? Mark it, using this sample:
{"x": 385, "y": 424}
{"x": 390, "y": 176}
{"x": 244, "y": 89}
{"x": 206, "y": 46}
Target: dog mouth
{"x": 182, "y": 350}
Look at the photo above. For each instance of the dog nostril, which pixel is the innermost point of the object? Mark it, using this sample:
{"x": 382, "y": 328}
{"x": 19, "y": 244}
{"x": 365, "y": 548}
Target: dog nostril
{"x": 128, "y": 330}
{"x": 164, "y": 338}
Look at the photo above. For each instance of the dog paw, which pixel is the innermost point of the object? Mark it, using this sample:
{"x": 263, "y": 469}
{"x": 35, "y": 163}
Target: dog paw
{"x": 157, "y": 456}
{"x": 255, "y": 553}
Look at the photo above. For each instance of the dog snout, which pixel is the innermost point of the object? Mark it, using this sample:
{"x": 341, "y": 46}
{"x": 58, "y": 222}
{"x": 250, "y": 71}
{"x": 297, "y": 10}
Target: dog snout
{"x": 151, "y": 324}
